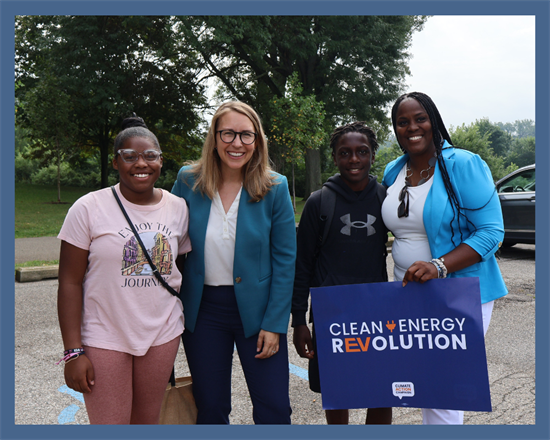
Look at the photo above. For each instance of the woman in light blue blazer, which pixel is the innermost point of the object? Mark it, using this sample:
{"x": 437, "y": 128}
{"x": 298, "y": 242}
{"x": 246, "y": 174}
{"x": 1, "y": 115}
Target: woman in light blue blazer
{"x": 443, "y": 210}
{"x": 238, "y": 279}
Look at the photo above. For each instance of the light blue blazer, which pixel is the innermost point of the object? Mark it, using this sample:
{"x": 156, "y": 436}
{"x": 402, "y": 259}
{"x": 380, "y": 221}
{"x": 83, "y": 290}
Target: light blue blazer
{"x": 265, "y": 253}
{"x": 481, "y": 225}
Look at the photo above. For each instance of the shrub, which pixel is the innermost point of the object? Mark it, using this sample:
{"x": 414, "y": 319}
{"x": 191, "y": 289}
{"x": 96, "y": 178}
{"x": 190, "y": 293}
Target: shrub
{"x": 70, "y": 176}
{"x": 24, "y": 168}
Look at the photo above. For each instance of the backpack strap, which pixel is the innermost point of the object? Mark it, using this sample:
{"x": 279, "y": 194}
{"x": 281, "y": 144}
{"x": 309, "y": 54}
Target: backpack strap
{"x": 328, "y": 204}
{"x": 381, "y": 192}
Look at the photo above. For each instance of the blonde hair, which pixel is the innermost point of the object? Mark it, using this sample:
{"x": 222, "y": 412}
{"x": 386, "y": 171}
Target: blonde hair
{"x": 258, "y": 176}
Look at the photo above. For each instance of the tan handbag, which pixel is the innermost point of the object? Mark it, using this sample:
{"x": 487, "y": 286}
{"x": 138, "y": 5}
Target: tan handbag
{"x": 178, "y": 405}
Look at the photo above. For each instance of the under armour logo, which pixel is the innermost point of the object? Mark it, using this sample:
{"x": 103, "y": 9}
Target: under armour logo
{"x": 346, "y": 219}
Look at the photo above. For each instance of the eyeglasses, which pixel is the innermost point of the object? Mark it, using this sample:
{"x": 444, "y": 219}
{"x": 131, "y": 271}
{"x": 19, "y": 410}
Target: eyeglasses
{"x": 131, "y": 156}
{"x": 228, "y": 136}
{"x": 403, "y": 208}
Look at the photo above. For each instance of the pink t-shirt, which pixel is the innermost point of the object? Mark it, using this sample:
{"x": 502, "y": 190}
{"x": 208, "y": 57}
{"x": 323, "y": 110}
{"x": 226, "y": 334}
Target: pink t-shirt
{"x": 125, "y": 308}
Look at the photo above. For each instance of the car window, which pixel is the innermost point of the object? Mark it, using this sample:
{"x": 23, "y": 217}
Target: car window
{"x": 524, "y": 181}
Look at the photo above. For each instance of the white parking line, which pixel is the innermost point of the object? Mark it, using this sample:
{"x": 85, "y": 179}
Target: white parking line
{"x": 68, "y": 413}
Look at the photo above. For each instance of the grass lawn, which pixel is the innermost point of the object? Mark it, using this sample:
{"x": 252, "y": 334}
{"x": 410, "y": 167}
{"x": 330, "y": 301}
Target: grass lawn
{"x": 37, "y": 213}
{"x": 299, "y": 208}
{"x": 35, "y": 263}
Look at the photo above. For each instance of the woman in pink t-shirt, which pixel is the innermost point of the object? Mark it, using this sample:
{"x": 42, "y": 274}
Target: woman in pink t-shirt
{"x": 120, "y": 326}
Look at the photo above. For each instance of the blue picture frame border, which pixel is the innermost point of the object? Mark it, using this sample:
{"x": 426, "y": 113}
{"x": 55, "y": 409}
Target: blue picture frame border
{"x": 10, "y": 8}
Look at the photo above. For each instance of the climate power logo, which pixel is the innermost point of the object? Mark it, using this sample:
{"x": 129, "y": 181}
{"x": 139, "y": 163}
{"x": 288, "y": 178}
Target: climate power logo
{"x": 419, "y": 333}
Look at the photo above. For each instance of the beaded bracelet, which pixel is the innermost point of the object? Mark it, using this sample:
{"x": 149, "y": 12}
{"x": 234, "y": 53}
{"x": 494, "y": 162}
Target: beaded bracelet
{"x": 436, "y": 268}
{"x": 440, "y": 266}
{"x": 443, "y": 267}
{"x": 70, "y": 355}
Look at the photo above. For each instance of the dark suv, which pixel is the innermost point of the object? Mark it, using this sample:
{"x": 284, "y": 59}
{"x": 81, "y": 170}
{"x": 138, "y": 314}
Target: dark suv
{"x": 517, "y": 197}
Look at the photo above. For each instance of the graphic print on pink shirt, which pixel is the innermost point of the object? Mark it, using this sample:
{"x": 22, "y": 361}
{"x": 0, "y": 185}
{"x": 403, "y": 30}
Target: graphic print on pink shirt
{"x": 134, "y": 261}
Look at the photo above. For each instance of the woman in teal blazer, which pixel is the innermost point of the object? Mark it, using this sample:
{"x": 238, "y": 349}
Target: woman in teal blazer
{"x": 443, "y": 210}
{"x": 238, "y": 279}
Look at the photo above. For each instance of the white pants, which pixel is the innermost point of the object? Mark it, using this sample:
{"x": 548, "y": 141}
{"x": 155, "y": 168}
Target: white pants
{"x": 450, "y": 416}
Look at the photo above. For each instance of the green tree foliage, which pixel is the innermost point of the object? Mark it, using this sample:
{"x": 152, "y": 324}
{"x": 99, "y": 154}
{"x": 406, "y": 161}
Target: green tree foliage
{"x": 354, "y": 64}
{"x": 384, "y": 155}
{"x": 513, "y": 142}
{"x": 296, "y": 126}
{"x": 519, "y": 129}
{"x": 49, "y": 116}
{"x": 470, "y": 138}
{"x": 21, "y": 137}
{"x": 24, "y": 167}
{"x": 522, "y": 152}
{"x": 110, "y": 66}
{"x": 500, "y": 139}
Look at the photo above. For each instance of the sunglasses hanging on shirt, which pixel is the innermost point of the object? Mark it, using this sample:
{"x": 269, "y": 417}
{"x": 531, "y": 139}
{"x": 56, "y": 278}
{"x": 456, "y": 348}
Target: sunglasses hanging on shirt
{"x": 403, "y": 208}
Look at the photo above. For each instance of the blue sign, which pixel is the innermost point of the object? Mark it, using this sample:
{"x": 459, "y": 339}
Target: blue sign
{"x": 385, "y": 345}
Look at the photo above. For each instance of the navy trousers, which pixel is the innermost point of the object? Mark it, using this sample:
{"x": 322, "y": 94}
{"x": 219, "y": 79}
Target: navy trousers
{"x": 209, "y": 350}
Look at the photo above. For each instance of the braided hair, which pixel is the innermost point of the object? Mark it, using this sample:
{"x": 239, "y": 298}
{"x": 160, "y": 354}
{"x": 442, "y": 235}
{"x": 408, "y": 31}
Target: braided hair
{"x": 134, "y": 126}
{"x": 439, "y": 134}
{"x": 354, "y": 127}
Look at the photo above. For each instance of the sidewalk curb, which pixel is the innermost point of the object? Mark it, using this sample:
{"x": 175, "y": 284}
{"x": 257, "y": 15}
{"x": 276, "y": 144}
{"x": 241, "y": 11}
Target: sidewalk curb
{"x": 36, "y": 273}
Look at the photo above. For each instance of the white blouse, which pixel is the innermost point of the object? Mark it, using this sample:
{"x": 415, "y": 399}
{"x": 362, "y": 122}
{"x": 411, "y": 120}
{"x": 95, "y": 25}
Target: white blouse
{"x": 411, "y": 241}
{"x": 219, "y": 246}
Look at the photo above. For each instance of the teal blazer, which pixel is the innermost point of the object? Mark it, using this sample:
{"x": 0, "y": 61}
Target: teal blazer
{"x": 265, "y": 253}
{"x": 481, "y": 222}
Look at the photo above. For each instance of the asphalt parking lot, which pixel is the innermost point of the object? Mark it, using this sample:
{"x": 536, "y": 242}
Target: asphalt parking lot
{"x": 510, "y": 346}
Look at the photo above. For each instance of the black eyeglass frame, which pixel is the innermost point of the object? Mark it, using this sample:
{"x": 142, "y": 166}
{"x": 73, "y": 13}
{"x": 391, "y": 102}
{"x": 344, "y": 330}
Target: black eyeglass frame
{"x": 138, "y": 154}
{"x": 235, "y": 133}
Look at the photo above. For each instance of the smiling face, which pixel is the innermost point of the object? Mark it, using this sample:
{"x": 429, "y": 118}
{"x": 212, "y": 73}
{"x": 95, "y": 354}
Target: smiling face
{"x": 414, "y": 129}
{"x": 354, "y": 156}
{"x": 137, "y": 179}
{"x": 234, "y": 155}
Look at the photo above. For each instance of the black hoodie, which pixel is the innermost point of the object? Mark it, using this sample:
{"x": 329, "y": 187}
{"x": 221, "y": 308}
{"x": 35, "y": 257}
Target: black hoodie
{"x": 354, "y": 251}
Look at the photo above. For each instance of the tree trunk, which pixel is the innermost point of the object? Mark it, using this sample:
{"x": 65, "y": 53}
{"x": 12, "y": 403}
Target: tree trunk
{"x": 313, "y": 171}
{"x": 58, "y": 172}
{"x": 293, "y": 189}
{"x": 277, "y": 161}
{"x": 104, "y": 160}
